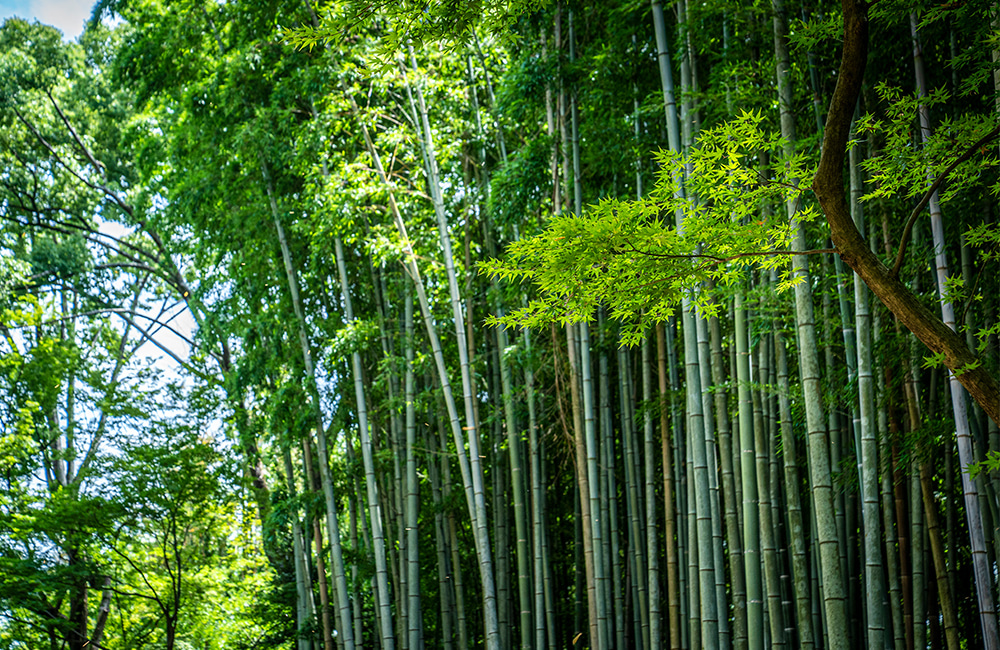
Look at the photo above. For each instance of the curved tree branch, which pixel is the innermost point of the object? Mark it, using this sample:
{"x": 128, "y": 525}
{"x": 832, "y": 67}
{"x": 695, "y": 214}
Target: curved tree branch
{"x": 828, "y": 185}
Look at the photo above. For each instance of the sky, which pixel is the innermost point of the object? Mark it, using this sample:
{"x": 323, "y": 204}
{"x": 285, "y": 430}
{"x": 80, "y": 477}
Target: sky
{"x": 66, "y": 15}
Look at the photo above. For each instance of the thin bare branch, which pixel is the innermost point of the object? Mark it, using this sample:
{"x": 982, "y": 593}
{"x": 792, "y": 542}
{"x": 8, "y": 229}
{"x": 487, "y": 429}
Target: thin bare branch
{"x": 925, "y": 199}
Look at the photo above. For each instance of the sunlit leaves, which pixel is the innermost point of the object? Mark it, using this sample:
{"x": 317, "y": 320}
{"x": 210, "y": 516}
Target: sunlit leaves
{"x": 355, "y": 336}
{"x": 447, "y": 22}
{"x": 629, "y": 255}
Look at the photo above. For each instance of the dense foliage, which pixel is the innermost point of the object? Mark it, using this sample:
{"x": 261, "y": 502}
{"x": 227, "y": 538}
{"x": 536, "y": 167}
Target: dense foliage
{"x": 500, "y": 323}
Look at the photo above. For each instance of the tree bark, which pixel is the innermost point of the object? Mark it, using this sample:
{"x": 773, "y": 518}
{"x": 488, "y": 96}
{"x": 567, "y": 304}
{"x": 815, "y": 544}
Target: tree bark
{"x": 828, "y": 185}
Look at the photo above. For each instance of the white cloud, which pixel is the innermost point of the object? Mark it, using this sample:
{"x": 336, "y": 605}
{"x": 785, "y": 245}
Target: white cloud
{"x": 67, "y": 15}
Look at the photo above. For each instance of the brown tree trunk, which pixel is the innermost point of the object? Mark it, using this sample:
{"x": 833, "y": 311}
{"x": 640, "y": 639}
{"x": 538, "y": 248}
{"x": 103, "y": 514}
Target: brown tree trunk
{"x": 78, "y": 611}
{"x": 937, "y": 553}
{"x": 829, "y": 187}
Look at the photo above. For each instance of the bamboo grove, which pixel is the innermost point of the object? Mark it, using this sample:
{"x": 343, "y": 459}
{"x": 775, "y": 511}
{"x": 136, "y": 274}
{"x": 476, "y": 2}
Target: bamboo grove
{"x": 526, "y": 324}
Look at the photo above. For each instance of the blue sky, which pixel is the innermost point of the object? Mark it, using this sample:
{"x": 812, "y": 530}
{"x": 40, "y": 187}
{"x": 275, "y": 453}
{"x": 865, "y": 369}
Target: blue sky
{"x": 67, "y": 15}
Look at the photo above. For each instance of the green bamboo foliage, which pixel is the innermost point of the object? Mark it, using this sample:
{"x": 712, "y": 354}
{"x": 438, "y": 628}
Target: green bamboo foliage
{"x": 783, "y": 509}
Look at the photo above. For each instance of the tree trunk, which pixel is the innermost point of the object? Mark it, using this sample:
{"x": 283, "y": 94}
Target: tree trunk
{"x": 412, "y": 508}
{"x": 828, "y": 185}
{"x": 748, "y": 479}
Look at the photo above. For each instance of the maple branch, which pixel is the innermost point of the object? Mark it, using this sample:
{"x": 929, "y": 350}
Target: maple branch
{"x": 722, "y": 260}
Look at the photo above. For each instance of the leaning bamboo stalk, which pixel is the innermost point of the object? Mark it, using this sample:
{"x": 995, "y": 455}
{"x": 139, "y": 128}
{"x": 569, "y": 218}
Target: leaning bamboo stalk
{"x": 980, "y": 563}
{"x": 333, "y": 531}
{"x": 948, "y": 614}
{"x": 472, "y": 481}
{"x": 468, "y": 391}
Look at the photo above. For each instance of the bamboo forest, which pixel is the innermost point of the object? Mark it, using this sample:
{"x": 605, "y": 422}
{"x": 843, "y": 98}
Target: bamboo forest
{"x": 504, "y": 324}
